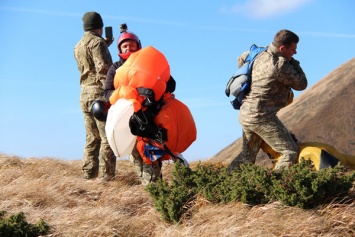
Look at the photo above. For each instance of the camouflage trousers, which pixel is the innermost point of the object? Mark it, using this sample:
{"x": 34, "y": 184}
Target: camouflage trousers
{"x": 98, "y": 159}
{"x": 272, "y": 132}
{"x": 146, "y": 172}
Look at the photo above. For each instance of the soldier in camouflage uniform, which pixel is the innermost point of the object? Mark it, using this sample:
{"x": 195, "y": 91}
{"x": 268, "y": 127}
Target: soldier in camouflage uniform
{"x": 275, "y": 73}
{"x": 94, "y": 59}
{"x": 128, "y": 43}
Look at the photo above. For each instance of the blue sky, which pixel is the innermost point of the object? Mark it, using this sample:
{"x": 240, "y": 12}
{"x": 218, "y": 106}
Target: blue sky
{"x": 39, "y": 84}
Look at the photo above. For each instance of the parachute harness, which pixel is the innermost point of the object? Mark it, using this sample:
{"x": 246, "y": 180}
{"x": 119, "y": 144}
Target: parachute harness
{"x": 142, "y": 124}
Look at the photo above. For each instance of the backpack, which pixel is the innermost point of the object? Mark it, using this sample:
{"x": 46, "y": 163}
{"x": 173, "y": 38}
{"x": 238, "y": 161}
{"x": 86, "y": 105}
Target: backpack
{"x": 239, "y": 84}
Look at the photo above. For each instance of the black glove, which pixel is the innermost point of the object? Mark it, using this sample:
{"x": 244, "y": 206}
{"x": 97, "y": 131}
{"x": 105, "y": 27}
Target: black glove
{"x": 148, "y": 94}
{"x": 141, "y": 126}
{"x": 170, "y": 85}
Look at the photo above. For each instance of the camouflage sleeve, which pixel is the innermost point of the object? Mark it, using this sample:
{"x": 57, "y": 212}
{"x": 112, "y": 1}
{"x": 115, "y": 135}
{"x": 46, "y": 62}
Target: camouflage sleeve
{"x": 241, "y": 59}
{"x": 291, "y": 74}
{"x": 102, "y": 59}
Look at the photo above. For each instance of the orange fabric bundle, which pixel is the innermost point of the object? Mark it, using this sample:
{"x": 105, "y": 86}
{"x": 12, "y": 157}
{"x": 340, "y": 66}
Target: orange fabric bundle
{"x": 147, "y": 68}
{"x": 177, "y": 119}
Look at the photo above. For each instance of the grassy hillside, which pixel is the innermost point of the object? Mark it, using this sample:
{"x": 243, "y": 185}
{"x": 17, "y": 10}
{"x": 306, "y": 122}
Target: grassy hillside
{"x": 55, "y": 191}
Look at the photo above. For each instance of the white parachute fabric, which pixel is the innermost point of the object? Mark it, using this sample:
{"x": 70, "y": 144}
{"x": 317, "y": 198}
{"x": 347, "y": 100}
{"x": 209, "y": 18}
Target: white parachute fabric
{"x": 117, "y": 128}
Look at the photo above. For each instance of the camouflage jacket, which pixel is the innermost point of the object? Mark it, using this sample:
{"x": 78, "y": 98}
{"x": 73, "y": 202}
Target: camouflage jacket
{"x": 272, "y": 77}
{"x": 93, "y": 59}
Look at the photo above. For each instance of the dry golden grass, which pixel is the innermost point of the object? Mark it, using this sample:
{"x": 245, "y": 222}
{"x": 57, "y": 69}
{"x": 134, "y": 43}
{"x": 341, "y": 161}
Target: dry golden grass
{"x": 55, "y": 191}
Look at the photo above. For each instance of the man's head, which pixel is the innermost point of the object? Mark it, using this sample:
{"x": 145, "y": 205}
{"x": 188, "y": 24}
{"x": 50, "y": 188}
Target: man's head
{"x": 128, "y": 43}
{"x": 92, "y": 21}
{"x": 286, "y": 41}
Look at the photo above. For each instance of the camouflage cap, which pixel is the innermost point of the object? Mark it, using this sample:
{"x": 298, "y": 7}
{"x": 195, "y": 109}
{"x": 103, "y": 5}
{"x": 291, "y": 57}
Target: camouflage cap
{"x": 92, "y": 20}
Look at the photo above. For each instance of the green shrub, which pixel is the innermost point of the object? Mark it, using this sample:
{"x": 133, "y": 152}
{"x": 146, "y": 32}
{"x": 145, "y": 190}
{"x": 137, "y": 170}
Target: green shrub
{"x": 299, "y": 186}
{"x": 213, "y": 182}
{"x": 169, "y": 199}
{"x": 304, "y": 187}
{"x": 251, "y": 184}
{"x": 17, "y": 226}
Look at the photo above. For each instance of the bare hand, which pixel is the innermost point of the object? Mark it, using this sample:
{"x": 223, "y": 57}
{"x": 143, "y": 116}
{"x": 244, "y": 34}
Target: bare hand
{"x": 108, "y": 41}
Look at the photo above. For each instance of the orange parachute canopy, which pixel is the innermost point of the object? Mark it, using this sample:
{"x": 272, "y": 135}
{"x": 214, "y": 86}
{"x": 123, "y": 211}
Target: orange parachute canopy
{"x": 146, "y": 68}
{"x": 177, "y": 119}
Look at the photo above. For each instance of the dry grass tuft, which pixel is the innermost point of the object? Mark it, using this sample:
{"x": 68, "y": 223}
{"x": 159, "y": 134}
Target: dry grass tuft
{"x": 55, "y": 190}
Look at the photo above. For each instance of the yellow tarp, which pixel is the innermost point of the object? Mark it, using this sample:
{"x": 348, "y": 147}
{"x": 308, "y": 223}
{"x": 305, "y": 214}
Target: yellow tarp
{"x": 315, "y": 151}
